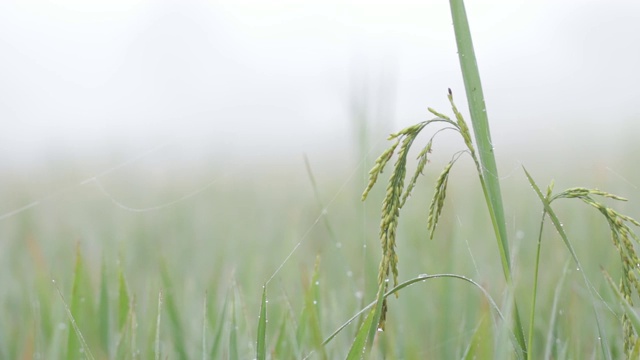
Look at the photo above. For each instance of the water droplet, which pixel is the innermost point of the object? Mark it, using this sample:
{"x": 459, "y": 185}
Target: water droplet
{"x": 315, "y": 302}
{"x": 423, "y": 275}
{"x": 317, "y": 282}
{"x": 339, "y": 245}
{"x": 358, "y": 294}
{"x": 349, "y": 273}
{"x": 380, "y": 329}
{"x": 386, "y": 280}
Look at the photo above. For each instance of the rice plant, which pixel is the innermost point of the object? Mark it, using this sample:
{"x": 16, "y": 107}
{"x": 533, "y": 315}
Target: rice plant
{"x": 264, "y": 267}
{"x": 396, "y": 195}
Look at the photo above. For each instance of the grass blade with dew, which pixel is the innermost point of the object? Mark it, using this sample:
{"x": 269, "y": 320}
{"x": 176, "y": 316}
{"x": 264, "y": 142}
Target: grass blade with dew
{"x": 104, "y": 312}
{"x": 480, "y": 122}
{"x": 156, "y": 334}
{"x": 549, "y": 343}
{"x": 363, "y": 342}
{"x": 80, "y": 310}
{"x": 419, "y": 279}
{"x": 124, "y": 300}
{"x": 177, "y": 331}
{"x": 536, "y": 270}
{"x": 213, "y": 353}
{"x": 203, "y": 349}
{"x": 563, "y": 235}
{"x": 233, "y": 330}
{"x": 309, "y": 326}
{"x": 262, "y": 327}
{"x": 479, "y": 119}
{"x": 480, "y": 346}
{"x": 126, "y": 343}
{"x": 76, "y": 329}
{"x": 285, "y": 341}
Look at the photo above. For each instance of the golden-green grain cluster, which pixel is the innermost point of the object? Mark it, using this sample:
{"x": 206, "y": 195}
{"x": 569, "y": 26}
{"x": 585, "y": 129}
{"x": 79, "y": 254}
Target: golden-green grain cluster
{"x": 396, "y": 195}
{"x": 621, "y": 235}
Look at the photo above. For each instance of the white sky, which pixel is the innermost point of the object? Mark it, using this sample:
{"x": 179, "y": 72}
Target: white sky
{"x": 216, "y": 78}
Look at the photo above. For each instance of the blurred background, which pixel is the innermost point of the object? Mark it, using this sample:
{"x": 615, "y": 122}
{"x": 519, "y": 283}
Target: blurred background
{"x": 218, "y": 79}
{"x": 227, "y": 143}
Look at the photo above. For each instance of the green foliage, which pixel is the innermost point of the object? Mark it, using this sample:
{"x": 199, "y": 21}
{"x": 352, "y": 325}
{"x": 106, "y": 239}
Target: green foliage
{"x": 396, "y": 196}
{"x": 621, "y": 236}
{"x": 220, "y": 237}
{"x": 262, "y": 327}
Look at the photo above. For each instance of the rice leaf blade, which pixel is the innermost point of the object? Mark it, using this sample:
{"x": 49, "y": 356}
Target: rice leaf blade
{"x": 262, "y": 327}
{"x": 175, "y": 322}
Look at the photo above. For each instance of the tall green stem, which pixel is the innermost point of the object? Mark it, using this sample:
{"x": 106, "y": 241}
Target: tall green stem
{"x": 489, "y": 170}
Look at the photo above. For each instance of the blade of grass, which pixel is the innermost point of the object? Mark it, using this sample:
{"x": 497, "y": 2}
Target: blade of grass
{"x": 123, "y": 299}
{"x": 262, "y": 327}
{"x": 156, "y": 342}
{"x": 480, "y": 345}
{"x": 480, "y": 122}
{"x": 401, "y": 286}
{"x": 534, "y": 294}
{"x": 554, "y": 307}
{"x": 489, "y": 170}
{"x": 367, "y": 332}
{"x": 284, "y": 342}
{"x": 173, "y": 313}
{"x": 219, "y": 328}
{"x": 233, "y": 331}
{"x": 81, "y": 308}
{"x": 563, "y": 235}
{"x": 125, "y": 344}
{"x": 204, "y": 328}
{"x": 103, "y": 311}
{"x": 309, "y": 327}
{"x": 76, "y": 329}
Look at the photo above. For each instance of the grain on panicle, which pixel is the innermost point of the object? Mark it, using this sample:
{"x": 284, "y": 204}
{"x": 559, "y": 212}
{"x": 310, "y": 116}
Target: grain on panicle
{"x": 437, "y": 202}
{"x": 377, "y": 169}
{"x": 621, "y": 236}
{"x": 395, "y": 198}
{"x": 422, "y": 162}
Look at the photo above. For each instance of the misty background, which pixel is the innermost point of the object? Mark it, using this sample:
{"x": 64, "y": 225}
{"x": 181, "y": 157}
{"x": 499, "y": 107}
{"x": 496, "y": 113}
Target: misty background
{"x": 197, "y": 80}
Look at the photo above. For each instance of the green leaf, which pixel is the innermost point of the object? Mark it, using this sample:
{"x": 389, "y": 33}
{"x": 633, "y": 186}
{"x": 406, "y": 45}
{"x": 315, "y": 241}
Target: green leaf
{"x": 262, "y": 327}
{"x": 81, "y": 312}
{"x": 219, "y": 329}
{"x": 103, "y": 312}
{"x": 233, "y": 332}
{"x": 177, "y": 331}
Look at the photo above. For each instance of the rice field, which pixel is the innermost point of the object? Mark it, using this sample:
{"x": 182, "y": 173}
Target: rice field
{"x": 133, "y": 258}
{"x": 185, "y": 280}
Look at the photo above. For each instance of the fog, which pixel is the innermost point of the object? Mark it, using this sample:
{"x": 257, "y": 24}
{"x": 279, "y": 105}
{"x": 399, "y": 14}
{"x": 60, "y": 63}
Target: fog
{"x": 280, "y": 79}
